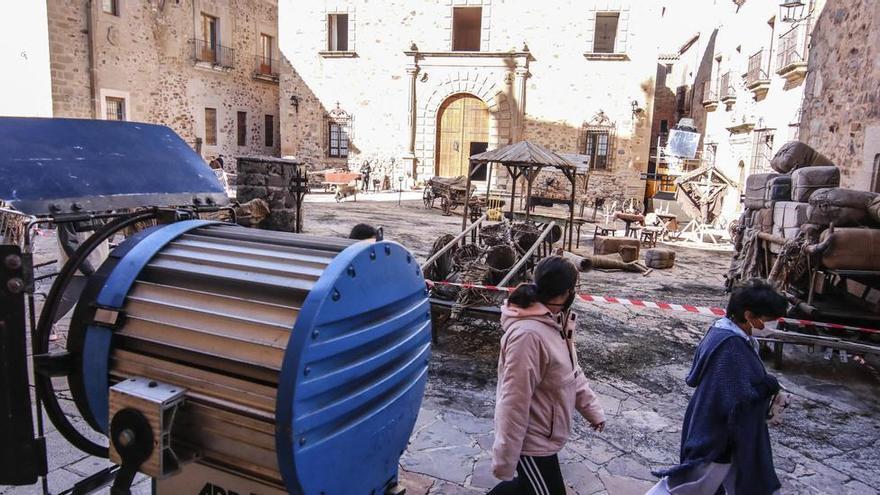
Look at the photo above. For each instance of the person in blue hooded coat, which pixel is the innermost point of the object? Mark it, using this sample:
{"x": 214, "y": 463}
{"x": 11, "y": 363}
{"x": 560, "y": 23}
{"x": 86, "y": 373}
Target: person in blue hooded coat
{"x": 725, "y": 442}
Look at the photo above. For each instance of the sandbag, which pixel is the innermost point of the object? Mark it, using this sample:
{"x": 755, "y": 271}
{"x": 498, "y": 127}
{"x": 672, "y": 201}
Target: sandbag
{"x": 788, "y": 217}
{"x": 764, "y": 220}
{"x": 612, "y": 245}
{"x": 852, "y": 249}
{"x": 842, "y": 207}
{"x": 756, "y": 190}
{"x": 805, "y": 181}
{"x": 659, "y": 258}
{"x": 778, "y": 189}
{"x": 794, "y": 155}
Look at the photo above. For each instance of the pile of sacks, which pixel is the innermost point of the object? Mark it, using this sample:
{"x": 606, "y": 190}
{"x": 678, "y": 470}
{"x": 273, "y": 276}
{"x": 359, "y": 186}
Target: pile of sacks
{"x": 805, "y": 195}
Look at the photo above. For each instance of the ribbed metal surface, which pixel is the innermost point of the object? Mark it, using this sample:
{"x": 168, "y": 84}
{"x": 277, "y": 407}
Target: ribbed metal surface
{"x": 213, "y": 312}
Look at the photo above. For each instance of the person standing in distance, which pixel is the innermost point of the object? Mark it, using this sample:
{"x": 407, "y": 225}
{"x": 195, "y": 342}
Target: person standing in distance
{"x": 540, "y": 383}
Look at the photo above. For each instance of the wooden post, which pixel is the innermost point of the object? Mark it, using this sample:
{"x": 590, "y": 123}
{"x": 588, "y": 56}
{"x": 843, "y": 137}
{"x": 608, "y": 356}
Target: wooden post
{"x": 488, "y": 182}
{"x": 572, "y": 177}
{"x": 467, "y": 195}
{"x": 529, "y": 178}
{"x": 514, "y": 176}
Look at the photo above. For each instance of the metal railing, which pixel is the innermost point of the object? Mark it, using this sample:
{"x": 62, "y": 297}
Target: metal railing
{"x": 265, "y": 66}
{"x": 710, "y": 95}
{"x": 757, "y": 66}
{"x": 212, "y": 53}
{"x": 792, "y": 47}
{"x": 727, "y": 89}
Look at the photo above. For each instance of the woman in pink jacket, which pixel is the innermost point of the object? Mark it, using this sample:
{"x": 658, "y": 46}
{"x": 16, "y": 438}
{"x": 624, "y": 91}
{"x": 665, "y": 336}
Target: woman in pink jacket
{"x": 540, "y": 383}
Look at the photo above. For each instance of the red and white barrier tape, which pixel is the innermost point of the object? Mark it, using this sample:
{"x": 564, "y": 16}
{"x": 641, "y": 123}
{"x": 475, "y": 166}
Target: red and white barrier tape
{"x": 704, "y": 310}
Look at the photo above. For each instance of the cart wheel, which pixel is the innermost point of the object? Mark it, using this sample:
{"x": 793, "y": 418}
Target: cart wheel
{"x": 445, "y": 206}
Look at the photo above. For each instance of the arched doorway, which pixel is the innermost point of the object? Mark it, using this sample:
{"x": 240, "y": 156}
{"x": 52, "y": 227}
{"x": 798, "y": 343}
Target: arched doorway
{"x": 462, "y": 130}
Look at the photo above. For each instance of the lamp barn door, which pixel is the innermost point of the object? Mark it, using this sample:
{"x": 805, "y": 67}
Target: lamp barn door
{"x": 463, "y": 119}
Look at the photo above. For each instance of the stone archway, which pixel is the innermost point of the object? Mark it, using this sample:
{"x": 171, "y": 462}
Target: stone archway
{"x": 473, "y": 83}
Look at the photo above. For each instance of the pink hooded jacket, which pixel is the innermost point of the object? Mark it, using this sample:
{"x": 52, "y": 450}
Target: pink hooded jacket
{"x": 540, "y": 384}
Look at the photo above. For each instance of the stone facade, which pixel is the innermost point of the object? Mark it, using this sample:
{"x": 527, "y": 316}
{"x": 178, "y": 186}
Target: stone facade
{"x": 841, "y": 112}
{"x": 146, "y": 56}
{"x": 743, "y": 92}
{"x": 281, "y": 183}
{"x": 536, "y": 73}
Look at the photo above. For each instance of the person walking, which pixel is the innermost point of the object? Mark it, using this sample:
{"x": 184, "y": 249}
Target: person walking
{"x": 540, "y": 383}
{"x": 366, "y": 170}
{"x": 725, "y": 442}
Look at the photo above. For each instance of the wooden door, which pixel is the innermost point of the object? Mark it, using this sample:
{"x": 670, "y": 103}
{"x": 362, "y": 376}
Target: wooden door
{"x": 463, "y": 120}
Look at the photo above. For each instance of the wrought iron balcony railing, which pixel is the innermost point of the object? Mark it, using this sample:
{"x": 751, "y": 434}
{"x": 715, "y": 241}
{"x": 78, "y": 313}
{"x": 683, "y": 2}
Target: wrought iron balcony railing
{"x": 212, "y": 53}
{"x": 792, "y": 48}
{"x": 757, "y": 68}
{"x": 710, "y": 95}
{"x": 266, "y": 67}
{"x": 728, "y": 92}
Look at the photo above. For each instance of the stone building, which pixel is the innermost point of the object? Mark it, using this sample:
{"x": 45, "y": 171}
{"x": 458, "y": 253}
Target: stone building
{"x": 417, "y": 86}
{"x": 738, "y": 72}
{"x": 206, "y": 68}
{"x": 841, "y": 110}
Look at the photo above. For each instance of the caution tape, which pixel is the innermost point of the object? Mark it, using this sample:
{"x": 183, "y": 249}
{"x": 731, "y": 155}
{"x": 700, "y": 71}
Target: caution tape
{"x": 688, "y": 308}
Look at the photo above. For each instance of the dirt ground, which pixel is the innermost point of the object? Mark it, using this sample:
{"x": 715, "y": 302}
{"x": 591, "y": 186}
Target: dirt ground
{"x": 636, "y": 360}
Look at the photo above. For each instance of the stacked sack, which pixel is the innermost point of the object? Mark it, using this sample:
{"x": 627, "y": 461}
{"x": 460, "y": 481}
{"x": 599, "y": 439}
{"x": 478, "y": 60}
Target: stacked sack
{"x": 805, "y": 193}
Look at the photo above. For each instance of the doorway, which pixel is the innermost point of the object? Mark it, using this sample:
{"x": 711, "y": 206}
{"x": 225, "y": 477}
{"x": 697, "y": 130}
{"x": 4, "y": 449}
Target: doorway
{"x": 463, "y": 129}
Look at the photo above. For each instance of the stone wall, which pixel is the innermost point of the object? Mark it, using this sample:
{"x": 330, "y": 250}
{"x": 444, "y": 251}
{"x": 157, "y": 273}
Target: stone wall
{"x": 841, "y": 112}
{"x": 280, "y": 183}
{"x": 531, "y": 72}
{"x": 145, "y": 56}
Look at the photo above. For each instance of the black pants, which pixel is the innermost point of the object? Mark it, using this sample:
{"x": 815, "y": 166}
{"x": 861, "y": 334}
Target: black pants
{"x": 534, "y": 476}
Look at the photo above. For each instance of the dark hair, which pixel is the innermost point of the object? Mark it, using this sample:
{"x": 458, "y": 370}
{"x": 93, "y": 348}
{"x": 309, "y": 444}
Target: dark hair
{"x": 554, "y": 276}
{"x": 760, "y": 298}
{"x": 362, "y": 231}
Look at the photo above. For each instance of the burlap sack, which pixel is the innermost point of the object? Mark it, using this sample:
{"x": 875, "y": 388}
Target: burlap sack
{"x": 659, "y": 258}
{"x": 794, "y": 155}
{"x": 756, "y": 190}
{"x": 842, "y": 207}
{"x": 852, "y": 249}
{"x": 806, "y": 181}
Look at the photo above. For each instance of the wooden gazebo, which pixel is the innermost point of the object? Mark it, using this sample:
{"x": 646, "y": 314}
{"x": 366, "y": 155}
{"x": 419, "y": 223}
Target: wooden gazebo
{"x": 524, "y": 159}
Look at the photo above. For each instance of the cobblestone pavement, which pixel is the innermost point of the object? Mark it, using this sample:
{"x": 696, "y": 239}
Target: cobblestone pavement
{"x": 636, "y": 360}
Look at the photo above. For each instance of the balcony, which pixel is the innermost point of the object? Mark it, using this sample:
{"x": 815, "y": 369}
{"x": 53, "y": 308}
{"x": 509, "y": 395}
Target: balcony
{"x": 266, "y": 69}
{"x": 728, "y": 92}
{"x": 212, "y": 56}
{"x": 757, "y": 79}
{"x": 791, "y": 61}
{"x": 710, "y": 97}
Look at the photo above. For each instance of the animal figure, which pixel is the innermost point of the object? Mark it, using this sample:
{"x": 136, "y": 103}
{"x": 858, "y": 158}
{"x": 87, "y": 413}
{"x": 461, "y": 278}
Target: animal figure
{"x": 345, "y": 191}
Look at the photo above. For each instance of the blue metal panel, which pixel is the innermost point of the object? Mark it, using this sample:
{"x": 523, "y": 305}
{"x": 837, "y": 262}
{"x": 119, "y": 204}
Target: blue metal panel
{"x": 47, "y": 165}
{"x": 96, "y": 348}
{"x": 354, "y": 373}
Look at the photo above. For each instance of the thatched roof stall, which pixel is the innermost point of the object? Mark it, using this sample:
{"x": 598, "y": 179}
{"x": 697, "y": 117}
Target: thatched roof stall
{"x": 524, "y": 159}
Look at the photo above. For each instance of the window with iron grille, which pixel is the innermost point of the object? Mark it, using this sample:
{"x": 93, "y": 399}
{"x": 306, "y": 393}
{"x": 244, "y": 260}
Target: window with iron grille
{"x": 211, "y": 126}
{"x": 598, "y": 148}
{"x": 241, "y": 128}
{"x": 269, "y": 130}
{"x": 338, "y": 142}
{"x": 115, "y": 108}
{"x": 762, "y": 151}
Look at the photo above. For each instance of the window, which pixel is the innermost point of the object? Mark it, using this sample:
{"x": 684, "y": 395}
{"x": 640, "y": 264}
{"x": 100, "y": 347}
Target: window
{"x": 241, "y": 128}
{"x": 110, "y": 7}
{"x": 606, "y": 32}
{"x": 211, "y": 126}
{"x": 265, "y": 54}
{"x": 337, "y": 38}
{"x": 664, "y": 126}
{"x": 466, "y": 28}
{"x": 115, "y": 108}
{"x": 269, "y": 130}
{"x": 210, "y": 38}
{"x": 338, "y": 141}
{"x": 598, "y": 149}
{"x": 762, "y": 151}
